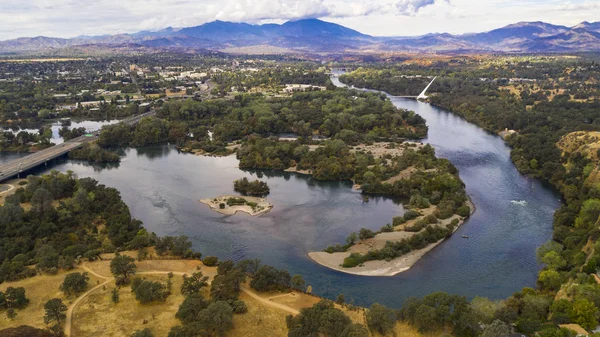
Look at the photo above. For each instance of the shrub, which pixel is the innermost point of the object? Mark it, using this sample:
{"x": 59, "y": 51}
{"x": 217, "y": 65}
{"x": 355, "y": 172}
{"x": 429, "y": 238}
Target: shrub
{"x": 355, "y": 259}
{"x": 464, "y": 211}
{"x": 398, "y": 220}
{"x": 411, "y": 214}
{"x": 210, "y": 261}
{"x": 239, "y": 307}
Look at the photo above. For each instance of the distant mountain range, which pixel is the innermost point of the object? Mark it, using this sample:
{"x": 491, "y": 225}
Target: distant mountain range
{"x": 313, "y": 35}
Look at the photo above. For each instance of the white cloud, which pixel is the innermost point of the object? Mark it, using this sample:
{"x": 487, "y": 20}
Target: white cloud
{"x": 68, "y": 18}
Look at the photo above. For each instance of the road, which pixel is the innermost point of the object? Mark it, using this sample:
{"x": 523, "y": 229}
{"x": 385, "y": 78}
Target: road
{"x": 17, "y": 166}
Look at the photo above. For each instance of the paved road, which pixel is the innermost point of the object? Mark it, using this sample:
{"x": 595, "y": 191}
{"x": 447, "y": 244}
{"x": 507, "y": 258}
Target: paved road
{"x": 15, "y": 167}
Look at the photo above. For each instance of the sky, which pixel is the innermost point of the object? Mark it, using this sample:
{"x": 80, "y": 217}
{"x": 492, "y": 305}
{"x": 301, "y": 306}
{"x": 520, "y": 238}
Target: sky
{"x": 69, "y": 18}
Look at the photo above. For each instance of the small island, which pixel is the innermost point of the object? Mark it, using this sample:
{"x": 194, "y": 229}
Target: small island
{"x": 250, "y": 202}
{"x": 231, "y": 204}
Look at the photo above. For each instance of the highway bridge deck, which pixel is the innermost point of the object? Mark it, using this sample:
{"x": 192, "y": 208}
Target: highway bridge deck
{"x": 18, "y": 166}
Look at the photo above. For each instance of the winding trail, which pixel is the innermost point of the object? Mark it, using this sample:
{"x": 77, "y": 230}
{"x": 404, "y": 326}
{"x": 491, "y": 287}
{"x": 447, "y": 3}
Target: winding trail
{"x": 108, "y": 279}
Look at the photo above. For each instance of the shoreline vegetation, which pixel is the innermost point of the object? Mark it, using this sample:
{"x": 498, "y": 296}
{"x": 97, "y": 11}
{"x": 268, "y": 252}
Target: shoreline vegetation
{"x": 231, "y": 204}
{"x": 392, "y": 267}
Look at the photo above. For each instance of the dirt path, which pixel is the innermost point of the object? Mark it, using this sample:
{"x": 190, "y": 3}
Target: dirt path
{"x": 108, "y": 279}
{"x": 269, "y": 303}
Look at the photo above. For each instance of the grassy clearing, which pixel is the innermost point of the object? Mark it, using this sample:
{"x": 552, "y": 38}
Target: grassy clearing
{"x": 39, "y": 290}
{"x": 96, "y": 315}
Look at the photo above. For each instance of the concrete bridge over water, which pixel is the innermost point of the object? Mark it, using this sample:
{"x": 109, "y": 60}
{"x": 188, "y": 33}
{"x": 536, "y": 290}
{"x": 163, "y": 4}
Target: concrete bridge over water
{"x": 16, "y": 167}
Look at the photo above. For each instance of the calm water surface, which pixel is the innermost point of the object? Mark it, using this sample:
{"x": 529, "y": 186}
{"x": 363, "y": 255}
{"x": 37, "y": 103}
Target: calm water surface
{"x": 513, "y": 217}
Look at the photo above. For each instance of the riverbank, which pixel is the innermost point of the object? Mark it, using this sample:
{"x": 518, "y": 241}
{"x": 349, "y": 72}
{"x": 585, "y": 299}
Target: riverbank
{"x": 383, "y": 267}
{"x": 253, "y": 206}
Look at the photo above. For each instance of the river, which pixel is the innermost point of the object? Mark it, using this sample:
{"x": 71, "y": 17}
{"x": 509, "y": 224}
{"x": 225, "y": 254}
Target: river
{"x": 513, "y": 217}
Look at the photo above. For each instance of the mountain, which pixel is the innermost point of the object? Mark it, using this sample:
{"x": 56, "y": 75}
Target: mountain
{"x": 518, "y": 31}
{"x": 592, "y": 26}
{"x": 313, "y": 35}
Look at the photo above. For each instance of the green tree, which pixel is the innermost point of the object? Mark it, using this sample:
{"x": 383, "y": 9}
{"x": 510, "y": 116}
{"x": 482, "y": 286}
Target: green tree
{"x": 381, "y": 319}
{"x": 298, "y": 282}
{"x": 217, "y": 317}
{"x": 55, "y": 311}
{"x": 496, "y": 329}
{"x": 74, "y": 283}
{"x": 149, "y": 291}
{"x": 584, "y": 313}
{"x": 191, "y": 307}
{"x": 114, "y": 296}
{"x": 193, "y": 284}
{"x": 549, "y": 279}
{"x": 15, "y": 298}
{"x": 123, "y": 266}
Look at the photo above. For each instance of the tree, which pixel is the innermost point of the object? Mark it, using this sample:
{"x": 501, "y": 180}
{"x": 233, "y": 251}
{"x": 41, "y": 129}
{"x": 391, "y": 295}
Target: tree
{"x": 355, "y": 330}
{"x": 381, "y": 319}
{"x": 364, "y": 234}
{"x": 15, "y": 298}
{"x": 549, "y": 279}
{"x": 123, "y": 266}
{"x": 191, "y": 307}
{"x": 217, "y": 317}
{"x": 340, "y": 299}
{"x": 227, "y": 287}
{"x": 553, "y": 260}
{"x": 114, "y": 296}
{"x": 55, "y": 311}
{"x": 74, "y": 283}
{"x": 298, "y": 282}
{"x": 41, "y": 201}
{"x": 193, "y": 284}
{"x": 149, "y": 291}
{"x": 584, "y": 313}
{"x": 11, "y": 313}
{"x": 47, "y": 257}
{"x": 496, "y": 329}
{"x": 351, "y": 239}
{"x": 142, "y": 333}
{"x": 334, "y": 322}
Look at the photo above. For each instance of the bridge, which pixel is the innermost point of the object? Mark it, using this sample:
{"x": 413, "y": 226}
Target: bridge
{"x": 422, "y": 94}
{"x": 20, "y": 165}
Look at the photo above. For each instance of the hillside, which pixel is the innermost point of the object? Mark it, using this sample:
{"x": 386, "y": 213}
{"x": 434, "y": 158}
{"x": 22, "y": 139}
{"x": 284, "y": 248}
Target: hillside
{"x": 587, "y": 144}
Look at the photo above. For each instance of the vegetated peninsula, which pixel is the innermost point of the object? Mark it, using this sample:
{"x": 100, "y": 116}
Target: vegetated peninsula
{"x": 437, "y": 206}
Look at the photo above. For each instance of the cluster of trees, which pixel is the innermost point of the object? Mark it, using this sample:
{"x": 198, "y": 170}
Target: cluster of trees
{"x": 348, "y": 115}
{"x": 13, "y": 299}
{"x": 202, "y": 317}
{"x": 94, "y": 153}
{"x": 69, "y": 219}
{"x": 147, "y": 131}
{"x": 23, "y": 140}
{"x": 69, "y": 134}
{"x": 323, "y": 319}
{"x": 254, "y": 188}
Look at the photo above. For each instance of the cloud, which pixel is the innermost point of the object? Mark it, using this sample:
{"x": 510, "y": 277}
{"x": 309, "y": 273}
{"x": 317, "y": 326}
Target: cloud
{"x": 68, "y": 18}
{"x": 258, "y": 10}
{"x": 412, "y": 7}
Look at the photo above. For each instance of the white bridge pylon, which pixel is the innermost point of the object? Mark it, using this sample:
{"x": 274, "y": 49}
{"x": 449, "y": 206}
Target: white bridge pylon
{"x": 422, "y": 95}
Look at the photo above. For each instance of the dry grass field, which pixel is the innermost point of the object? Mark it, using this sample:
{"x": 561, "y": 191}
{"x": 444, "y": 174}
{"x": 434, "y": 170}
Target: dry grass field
{"x": 39, "y": 290}
{"x": 96, "y": 315}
